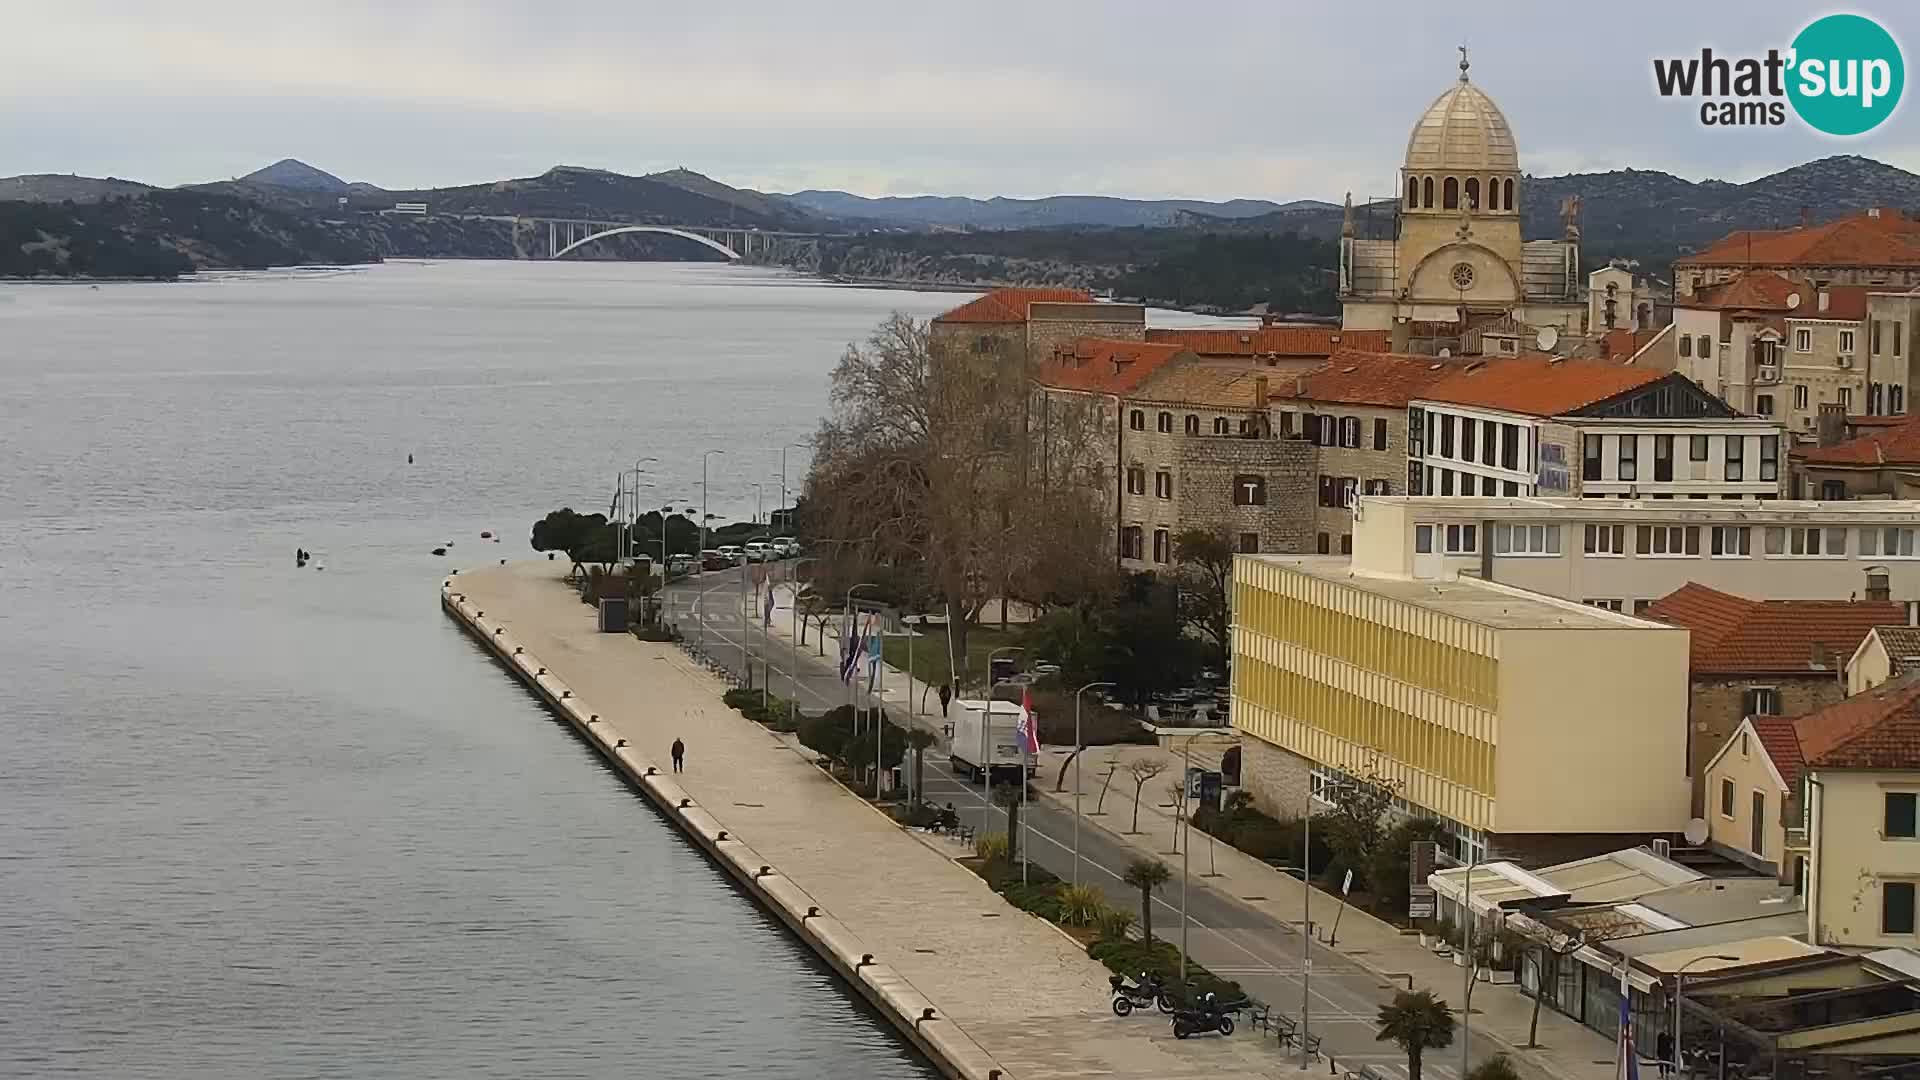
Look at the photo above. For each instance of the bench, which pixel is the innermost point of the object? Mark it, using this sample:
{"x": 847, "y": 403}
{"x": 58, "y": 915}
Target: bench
{"x": 964, "y": 832}
{"x": 1259, "y": 1014}
{"x": 1313, "y": 1047}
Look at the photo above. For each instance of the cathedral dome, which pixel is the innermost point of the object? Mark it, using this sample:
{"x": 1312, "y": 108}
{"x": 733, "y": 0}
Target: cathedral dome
{"x": 1462, "y": 131}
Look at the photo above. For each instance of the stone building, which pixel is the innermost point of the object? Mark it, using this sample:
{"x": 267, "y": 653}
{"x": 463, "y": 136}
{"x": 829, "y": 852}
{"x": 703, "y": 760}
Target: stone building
{"x": 1284, "y": 350}
{"x": 1780, "y": 348}
{"x": 1860, "y": 458}
{"x": 1028, "y": 324}
{"x": 1458, "y": 248}
{"x": 1878, "y": 248}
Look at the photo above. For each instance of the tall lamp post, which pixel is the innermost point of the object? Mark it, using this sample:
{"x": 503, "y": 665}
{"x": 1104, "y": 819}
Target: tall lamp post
{"x": 847, "y": 643}
{"x": 746, "y": 620}
{"x": 704, "y": 516}
{"x": 1678, "y": 993}
{"x": 793, "y": 673}
{"x": 1186, "y": 826}
{"x": 1306, "y": 915}
{"x": 1079, "y": 750}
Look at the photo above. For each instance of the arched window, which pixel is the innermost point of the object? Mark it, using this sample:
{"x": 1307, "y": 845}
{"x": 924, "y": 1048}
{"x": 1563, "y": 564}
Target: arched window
{"x": 1193, "y": 424}
{"x": 1493, "y": 194}
{"x": 1166, "y": 422}
{"x": 1473, "y": 193}
{"x": 1413, "y": 192}
{"x": 1426, "y": 193}
{"x": 1506, "y": 194}
{"x": 1220, "y": 426}
{"x": 1450, "y": 198}
{"x": 1137, "y": 420}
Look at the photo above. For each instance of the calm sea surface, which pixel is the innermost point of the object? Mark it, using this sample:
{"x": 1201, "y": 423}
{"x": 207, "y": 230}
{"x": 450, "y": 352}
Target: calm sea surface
{"x": 258, "y": 821}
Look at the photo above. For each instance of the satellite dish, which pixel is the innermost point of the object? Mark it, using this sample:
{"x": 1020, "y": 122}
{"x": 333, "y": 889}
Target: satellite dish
{"x": 1696, "y": 833}
{"x": 1547, "y": 338}
{"x": 1793, "y": 300}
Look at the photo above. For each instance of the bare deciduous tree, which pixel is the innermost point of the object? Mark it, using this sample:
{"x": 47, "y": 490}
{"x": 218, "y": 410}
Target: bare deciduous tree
{"x": 1142, "y": 769}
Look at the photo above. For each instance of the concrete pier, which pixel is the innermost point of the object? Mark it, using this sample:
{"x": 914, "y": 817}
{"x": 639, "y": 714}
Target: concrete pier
{"x": 897, "y": 918}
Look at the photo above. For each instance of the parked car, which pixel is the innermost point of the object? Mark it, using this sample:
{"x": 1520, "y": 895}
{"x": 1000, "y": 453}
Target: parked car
{"x": 714, "y": 559}
{"x": 758, "y": 551}
{"x": 784, "y": 546}
{"x": 733, "y": 553}
{"x": 679, "y": 564}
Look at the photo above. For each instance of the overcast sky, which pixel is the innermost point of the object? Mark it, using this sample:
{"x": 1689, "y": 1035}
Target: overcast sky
{"x": 1198, "y": 99}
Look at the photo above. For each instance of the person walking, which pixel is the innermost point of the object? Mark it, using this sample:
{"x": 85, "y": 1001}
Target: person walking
{"x": 1663, "y": 1049}
{"x": 679, "y": 752}
{"x": 946, "y": 695}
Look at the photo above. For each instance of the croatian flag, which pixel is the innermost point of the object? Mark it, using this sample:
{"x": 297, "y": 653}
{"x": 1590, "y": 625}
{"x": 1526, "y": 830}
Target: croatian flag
{"x": 1028, "y": 726}
{"x": 1628, "y": 1067}
{"x": 874, "y": 639}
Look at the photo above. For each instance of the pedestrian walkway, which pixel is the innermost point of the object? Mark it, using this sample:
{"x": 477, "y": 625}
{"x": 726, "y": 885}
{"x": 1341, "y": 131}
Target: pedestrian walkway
{"x": 1568, "y": 1050}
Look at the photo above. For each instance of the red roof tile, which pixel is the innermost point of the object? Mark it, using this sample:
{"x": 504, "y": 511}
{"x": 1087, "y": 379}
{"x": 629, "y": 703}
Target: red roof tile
{"x": 1782, "y": 744}
{"x": 1898, "y": 445}
{"x": 1732, "y": 635}
{"x": 1105, "y": 366}
{"x": 1622, "y": 344}
{"x": 1537, "y": 386}
{"x": 1367, "y": 378}
{"x": 1010, "y": 305}
{"x": 1888, "y": 239}
{"x": 1273, "y": 340}
{"x": 1756, "y": 290}
{"x": 1875, "y": 729}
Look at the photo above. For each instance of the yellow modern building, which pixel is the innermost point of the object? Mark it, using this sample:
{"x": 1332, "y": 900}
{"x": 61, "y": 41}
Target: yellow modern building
{"x": 1534, "y": 728}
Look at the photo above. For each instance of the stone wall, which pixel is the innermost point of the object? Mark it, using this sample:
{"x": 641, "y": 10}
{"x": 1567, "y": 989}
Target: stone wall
{"x": 1210, "y": 467}
{"x": 1363, "y": 464}
{"x": 1716, "y": 707}
{"x": 1051, "y": 326}
{"x": 1276, "y": 778}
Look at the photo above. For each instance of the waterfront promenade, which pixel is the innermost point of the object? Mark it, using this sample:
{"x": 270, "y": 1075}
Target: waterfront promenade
{"x": 1027, "y": 997}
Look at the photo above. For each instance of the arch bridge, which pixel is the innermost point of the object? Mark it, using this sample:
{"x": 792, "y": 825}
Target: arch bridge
{"x": 566, "y": 235}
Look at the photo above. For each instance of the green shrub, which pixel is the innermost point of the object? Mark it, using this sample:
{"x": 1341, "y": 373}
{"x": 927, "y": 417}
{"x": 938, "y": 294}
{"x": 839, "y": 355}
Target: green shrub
{"x": 990, "y": 847}
{"x": 1041, "y": 898}
{"x": 1497, "y": 1067}
{"x": 1112, "y": 924}
{"x": 1129, "y": 957}
{"x": 1081, "y": 905}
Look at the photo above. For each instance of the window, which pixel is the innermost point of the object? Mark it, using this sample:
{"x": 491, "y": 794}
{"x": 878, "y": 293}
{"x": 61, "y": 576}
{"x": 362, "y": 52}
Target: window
{"x": 1873, "y": 337}
{"x": 1450, "y": 197}
{"x": 1336, "y": 491}
{"x": 1846, "y": 342}
{"x": 1423, "y": 539}
{"x": 1463, "y": 539}
{"x": 1137, "y": 420}
{"x": 1876, "y": 396}
{"x": 1833, "y": 490}
{"x": 1446, "y": 481}
{"x": 1896, "y": 907}
{"x": 1489, "y": 437}
{"x": 1732, "y": 541}
{"x": 1249, "y": 543}
{"x": 1526, "y": 539}
{"x": 1669, "y": 539}
{"x": 1250, "y": 489}
{"x": 1686, "y": 345}
{"x": 1193, "y": 424}
{"x": 1467, "y": 441}
{"x": 1697, "y": 448}
{"x": 1380, "y": 433}
{"x": 1163, "y": 484}
{"x": 1376, "y": 487}
{"x": 1506, "y": 194}
{"x": 1846, "y": 398}
{"x": 1763, "y": 404}
{"x": 1662, "y": 457}
{"x": 1509, "y": 446}
{"x": 1757, "y": 828}
{"x": 1726, "y": 799}
{"x": 1473, "y": 193}
{"x": 1704, "y": 346}
{"x": 1221, "y": 427}
{"x": 1413, "y": 193}
{"x": 1426, "y": 192}
{"x": 1896, "y": 398}
{"x": 1803, "y": 340}
{"x": 1806, "y": 542}
{"x": 1415, "y": 431}
{"x": 1897, "y": 543}
{"x": 1136, "y": 480}
{"x": 1606, "y": 540}
{"x": 1769, "y": 457}
{"x": 1487, "y": 485}
{"x": 1509, "y": 488}
{"x": 1640, "y": 606}
{"x": 1329, "y": 430}
{"x": 1130, "y": 542}
{"x": 1349, "y": 487}
{"x": 1350, "y": 432}
{"x": 1446, "y": 434}
{"x": 1590, "y": 457}
{"x": 1166, "y": 423}
{"x": 1162, "y": 546}
{"x": 1896, "y": 337}
{"x": 1610, "y": 605}
{"x": 1323, "y": 543}
{"x": 1736, "y": 466}
{"x": 1800, "y": 397}
{"x": 1629, "y": 457}
{"x": 1900, "y": 822}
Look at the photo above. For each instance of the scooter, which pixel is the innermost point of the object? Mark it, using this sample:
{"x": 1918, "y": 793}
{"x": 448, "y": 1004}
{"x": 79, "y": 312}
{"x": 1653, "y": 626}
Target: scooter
{"x": 1209, "y": 1015}
{"x": 1148, "y": 991}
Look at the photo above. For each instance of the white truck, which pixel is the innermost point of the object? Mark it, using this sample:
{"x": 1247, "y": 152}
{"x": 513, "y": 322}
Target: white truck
{"x": 978, "y": 745}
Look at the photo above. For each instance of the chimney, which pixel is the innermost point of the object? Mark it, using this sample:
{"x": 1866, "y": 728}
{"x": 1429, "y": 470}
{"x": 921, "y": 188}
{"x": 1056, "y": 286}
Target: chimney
{"x": 1913, "y": 613}
{"x": 1878, "y": 591}
{"x": 1260, "y": 392}
{"x": 1831, "y": 425}
{"x": 1806, "y": 216}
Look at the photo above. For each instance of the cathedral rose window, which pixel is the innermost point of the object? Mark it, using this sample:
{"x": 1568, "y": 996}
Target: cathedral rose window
{"x": 1462, "y": 275}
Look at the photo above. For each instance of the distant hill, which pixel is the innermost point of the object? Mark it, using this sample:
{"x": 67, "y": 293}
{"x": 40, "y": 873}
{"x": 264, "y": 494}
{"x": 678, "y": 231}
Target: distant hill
{"x": 572, "y": 191}
{"x": 160, "y": 233}
{"x": 291, "y": 173}
{"x": 60, "y": 187}
{"x": 952, "y": 211}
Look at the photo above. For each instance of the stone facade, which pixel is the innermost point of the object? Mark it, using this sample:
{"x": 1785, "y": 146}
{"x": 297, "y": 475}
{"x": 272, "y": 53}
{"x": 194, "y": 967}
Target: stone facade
{"x": 1361, "y": 450}
{"x": 1053, "y": 326}
{"x": 1277, "y": 779}
{"x": 1717, "y": 705}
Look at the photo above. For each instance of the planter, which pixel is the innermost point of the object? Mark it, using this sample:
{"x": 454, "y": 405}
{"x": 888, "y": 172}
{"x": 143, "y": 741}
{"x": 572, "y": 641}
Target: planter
{"x": 1459, "y": 959}
{"x": 1426, "y": 940}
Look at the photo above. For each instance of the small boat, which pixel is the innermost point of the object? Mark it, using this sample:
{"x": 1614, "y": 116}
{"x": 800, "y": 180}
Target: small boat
{"x": 439, "y": 551}
{"x": 486, "y": 535}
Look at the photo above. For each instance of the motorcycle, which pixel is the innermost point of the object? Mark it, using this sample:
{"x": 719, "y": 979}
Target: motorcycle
{"x": 1150, "y": 990}
{"x": 1210, "y": 1014}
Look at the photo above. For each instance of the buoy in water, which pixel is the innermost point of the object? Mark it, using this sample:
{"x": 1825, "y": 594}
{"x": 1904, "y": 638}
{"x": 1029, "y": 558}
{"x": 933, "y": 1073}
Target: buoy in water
{"x": 486, "y": 534}
{"x": 409, "y": 459}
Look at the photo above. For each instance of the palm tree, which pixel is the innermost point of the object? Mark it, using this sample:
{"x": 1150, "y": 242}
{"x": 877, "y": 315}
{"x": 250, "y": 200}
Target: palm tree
{"x": 918, "y": 739}
{"x": 1148, "y": 875}
{"x": 1416, "y": 1022}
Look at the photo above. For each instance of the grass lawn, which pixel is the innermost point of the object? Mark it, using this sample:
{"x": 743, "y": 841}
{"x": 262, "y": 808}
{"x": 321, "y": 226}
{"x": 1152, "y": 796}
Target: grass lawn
{"x": 930, "y": 653}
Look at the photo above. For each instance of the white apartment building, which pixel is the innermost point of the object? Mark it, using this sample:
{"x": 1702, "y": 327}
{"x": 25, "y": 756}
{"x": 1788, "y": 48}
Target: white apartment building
{"x": 1535, "y": 426}
{"x": 1624, "y": 554}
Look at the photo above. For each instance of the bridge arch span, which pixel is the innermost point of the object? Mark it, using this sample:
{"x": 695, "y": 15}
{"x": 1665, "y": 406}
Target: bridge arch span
{"x": 667, "y": 229}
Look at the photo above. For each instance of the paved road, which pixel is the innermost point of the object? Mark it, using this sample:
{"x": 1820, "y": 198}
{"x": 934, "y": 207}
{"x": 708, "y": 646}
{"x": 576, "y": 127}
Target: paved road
{"x": 1228, "y": 937}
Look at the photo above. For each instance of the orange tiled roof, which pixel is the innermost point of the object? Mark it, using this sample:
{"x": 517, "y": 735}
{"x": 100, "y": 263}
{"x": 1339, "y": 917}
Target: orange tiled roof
{"x": 1199, "y": 384}
{"x": 1105, "y": 366}
{"x": 1782, "y": 744}
{"x": 1899, "y": 445}
{"x": 1385, "y": 379}
{"x": 1010, "y": 305}
{"x": 1537, "y": 386}
{"x": 1623, "y": 344}
{"x": 1273, "y": 340}
{"x": 1889, "y": 239}
{"x": 1755, "y": 290}
{"x": 1874, "y": 729}
{"x": 1732, "y": 635}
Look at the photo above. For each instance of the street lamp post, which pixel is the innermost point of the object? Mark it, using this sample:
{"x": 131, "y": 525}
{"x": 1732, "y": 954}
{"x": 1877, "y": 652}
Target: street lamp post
{"x": 1306, "y": 917}
{"x": 704, "y": 516}
{"x": 1679, "y": 992}
{"x": 746, "y": 618}
{"x": 1079, "y": 750}
{"x": 793, "y": 673}
{"x": 986, "y": 738}
{"x": 1186, "y": 825}
{"x": 783, "y": 497}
